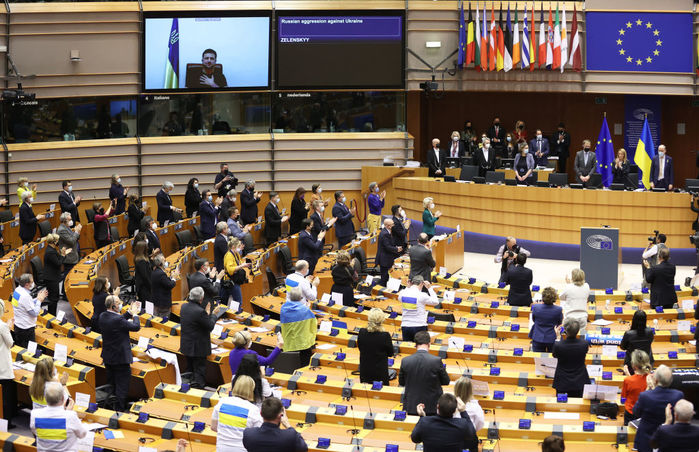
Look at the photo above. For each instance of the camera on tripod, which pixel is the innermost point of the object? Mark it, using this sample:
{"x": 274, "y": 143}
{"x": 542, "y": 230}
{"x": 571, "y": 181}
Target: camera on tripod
{"x": 654, "y": 240}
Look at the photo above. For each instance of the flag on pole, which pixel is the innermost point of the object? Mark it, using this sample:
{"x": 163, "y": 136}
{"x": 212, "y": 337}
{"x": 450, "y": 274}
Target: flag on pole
{"x": 575, "y": 55}
{"x": 477, "y": 48}
{"x": 484, "y": 43}
{"x": 172, "y": 66}
{"x": 492, "y": 44}
{"x": 516, "y": 50}
{"x": 532, "y": 41}
{"x": 556, "y": 43}
{"x": 525, "y": 40}
{"x": 470, "y": 43}
{"x": 564, "y": 39}
{"x": 549, "y": 41}
{"x": 462, "y": 37}
{"x": 508, "y": 42}
{"x": 644, "y": 154}
{"x": 500, "y": 44}
{"x": 542, "y": 38}
{"x": 604, "y": 151}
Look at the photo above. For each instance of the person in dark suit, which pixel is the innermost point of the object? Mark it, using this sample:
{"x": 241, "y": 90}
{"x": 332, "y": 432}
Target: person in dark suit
{"x": 142, "y": 271}
{"x": 446, "y": 432}
{"x": 195, "y": 334}
{"x": 539, "y": 148}
{"x": 165, "y": 207}
{"x": 117, "y": 194}
{"x": 273, "y": 219}
{"x": 344, "y": 226}
{"x": 208, "y": 213}
{"x": 423, "y": 376}
{"x": 456, "y": 146}
{"x": 661, "y": 170}
{"x": 681, "y": 436}
{"x": 571, "y": 371}
{"x": 318, "y": 221}
{"x": 436, "y": 160}
{"x": 344, "y": 278}
{"x": 386, "y": 251}
{"x": 220, "y": 244}
{"x": 485, "y": 158}
{"x": 100, "y": 292}
{"x": 68, "y": 238}
{"x": 224, "y": 181}
{"x": 209, "y": 76}
{"x": 375, "y": 347}
{"x": 149, "y": 228}
{"x": 620, "y": 167}
{"x": 585, "y": 163}
{"x": 161, "y": 286}
{"x": 519, "y": 278}
{"x": 203, "y": 277}
{"x": 116, "y": 346}
{"x": 192, "y": 197}
{"x": 546, "y": 317}
{"x": 299, "y": 211}
{"x": 421, "y": 259}
{"x": 68, "y": 201}
{"x": 651, "y": 406}
{"x": 401, "y": 225}
{"x": 27, "y": 219}
{"x": 638, "y": 337}
{"x": 497, "y": 135}
{"x": 53, "y": 270}
{"x": 269, "y": 437}
{"x": 135, "y": 213}
{"x": 561, "y": 147}
{"x": 226, "y": 205}
{"x": 310, "y": 248}
{"x": 248, "y": 203}
{"x": 662, "y": 280}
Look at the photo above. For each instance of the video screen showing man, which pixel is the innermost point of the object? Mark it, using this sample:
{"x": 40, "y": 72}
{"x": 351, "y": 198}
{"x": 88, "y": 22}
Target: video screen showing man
{"x": 209, "y": 75}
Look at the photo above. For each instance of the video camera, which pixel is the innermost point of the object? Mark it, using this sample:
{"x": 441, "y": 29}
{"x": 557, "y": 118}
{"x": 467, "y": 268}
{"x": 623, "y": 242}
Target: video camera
{"x": 514, "y": 251}
{"x": 654, "y": 239}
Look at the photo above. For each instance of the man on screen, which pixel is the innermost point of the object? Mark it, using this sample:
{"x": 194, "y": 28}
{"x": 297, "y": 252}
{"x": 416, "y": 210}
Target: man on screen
{"x": 210, "y": 76}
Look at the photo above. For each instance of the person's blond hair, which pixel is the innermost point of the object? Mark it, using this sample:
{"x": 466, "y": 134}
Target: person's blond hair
{"x": 21, "y": 181}
{"x": 640, "y": 361}
{"x": 244, "y": 388}
{"x": 578, "y": 276}
{"x": 463, "y": 389}
{"x": 375, "y": 319}
{"x": 43, "y": 373}
{"x": 51, "y": 239}
{"x": 343, "y": 258}
{"x": 426, "y": 202}
{"x": 233, "y": 242}
{"x": 241, "y": 339}
{"x": 626, "y": 157}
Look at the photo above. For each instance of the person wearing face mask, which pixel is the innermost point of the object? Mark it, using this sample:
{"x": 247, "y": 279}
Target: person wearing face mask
{"x": 273, "y": 219}
{"x": 53, "y": 270}
{"x": 429, "y": 218}
{"x": 27, "y": 219}
{"x": 248, "y": 203}
{"x": 561, "y": 147}
{"x": 208, "y": 213}
{"x": 103, "y": 234}
{"x": 116, "y": 345}
{"x": 456, "y": 146}
{"x": 161, "y": 286}
{"x": 149, "y": 229}
{"x": 401, "y": 225}
{"x": 344, "y": 229}
{"x": 68, "y": 238}
{"x": 208, "y": 279}
{"x": 225, "y": 181}
{"x": 165, "y": 208}
{"x": 497, "y": 135}
{"x": 68, "y": 201}
{"x": 117, "y": 194}
{"x": 661, "y": 170}
{"x": 318, "y": 222}
{"x": 470, "y": 138}
{"x": 26, "y": 309}
{"x": 520, "y": 133}
{"x": 100, "y": 291}
{"x": 511, "y": 147}
{"x": 226, "y": 205}
{"x": 135, "y": 213}
{"x": 386, "y": 251}
{"x": 585, "y": 163}
{"x": 317, "y": 195}
{"x": 302, "y": 279}
{"x": 299, "y": 211}
{"x": 192, "y": 197}
{"x": 375, "y": 200}
{"x": 436, "y": 160}
{"x": 524, "y": 166}
{"x": 310, "y": 248}
{"x": 234, "y": 228}
{"x": 235, "y": 275}
{"x": 485, "y": 158}
{"x": 220, "y": 243}
{"x": 22, "y": 187}
{"x": 539, "y": 147}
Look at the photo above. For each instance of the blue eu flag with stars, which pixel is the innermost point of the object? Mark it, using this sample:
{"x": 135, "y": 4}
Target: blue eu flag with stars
{"x": 604, "y": 151}
{"x": 639, "y": 41}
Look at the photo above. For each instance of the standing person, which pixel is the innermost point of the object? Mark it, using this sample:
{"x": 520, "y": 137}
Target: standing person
{"x": 248, "y": 203}
{"x": 571, "y": 373}
{"x": 496, "y": 133}
{"x": 235, "y": 414}
{"x": 208, "y": 213}
{"x": 26, "y": 309}
{"x": 585, "y": 164}
{"x": 135, "y": 213}
{"x": 413, "y": 301}
{"x": 524, "y": 165}
{"x": 53, "y": 270}
{"x": 682, "y": 436}
{"x": 117, "y": 194}
{"x": 195, "y": 337}
{"x": 539, "y": 147}
{"x": 269, "y": 437}
{"x": 519, "y": 278}
{"x": 299, "y": 211}
{"x": 22, "y": 187}
{"x": 561, "y": 147}
{"x": 429, "y": 217}
{"x": 192, "y": 197}
{"x": 401, "y": 226}
{"x": 634, "y": 382}
{"x": 235, "y": 272}
{"x": 662, "y": 281}
{"x": 423, "y": 376}
{"x": 463, "y": 390}
{"x": 242, "y": 342}
{"x": 317, "y": 195}
{"x": 620, "y": 168}
{"x": 103, "y": 233}
{"x": 651, "y": 405}
{"x": 344, "y": 226}
{"x": 226, "y": 205}
{"x": 69, "y": 239}
{"x": 224, "y": 181}
{"x": 100, "y": 292}
{"x": 484, "y": 158}
{"x": 344, "y": 278}
{"x": 149, "y": 229}
{"x": 299, "y": 326}
{"x": 375, "y": 347}
{"x": 507, "y": 254}
{"x": 7, "y": 374}
{"x": 456, "y": 146}
{"x": 661, "y": 170}
{"x": 553, "y": 443}
{"x": 165, "y": 208}
{"x": 273, "y": 219}
{"x": 546, "y": 317}
{"x": 445, "y": 431}
{"x": 375, "y": 201}
{"x": 574, "y": 298}
{"x": 386, "y": 251}
{"x": 638, "y": 337}
{"x": 116, "y": 345}
{"x": 206, "y": 277}
{"x": 161, "y": 287}
{"x": 310, "y": 248}
{"x": 27, "y": 219}
{"x": 220, "y": 244}
{"x": 57, "y": 427}
{"x": 421, "y": 259}
{"x": 45, "y": 372}
{"x": 436, "y": 160}
{"x": 143, "y": 269}
{"x": 68, "y": 201}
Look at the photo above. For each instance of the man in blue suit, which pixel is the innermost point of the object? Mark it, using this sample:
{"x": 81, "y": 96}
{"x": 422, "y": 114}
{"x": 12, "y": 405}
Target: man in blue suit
{"x": 651, "y": 407}
{"x": 681, "y": 436}
{"x": 344, "y": 227}
{"x": 310, "y": 249}
{"x": 539, "y": 147}
{"x": 386, "y": 251}
{"x": 661, "y": 170}
{"x": 269, "y": 437}
{"x": 546, "y": 317}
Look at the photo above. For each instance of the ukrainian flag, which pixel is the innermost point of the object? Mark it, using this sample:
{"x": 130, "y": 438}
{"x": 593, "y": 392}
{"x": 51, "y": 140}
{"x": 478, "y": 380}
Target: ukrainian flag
{"x": 299, "y": 326}
{"x": 409, "y": 303}
{"x": 15, "y": 298}
{"x": 233, "y": 416}
{"x": 645, "y": 151}
{"x": 290, "y": 284}
{"x": 172, "y": 67}
{"x": 52, "y": 429}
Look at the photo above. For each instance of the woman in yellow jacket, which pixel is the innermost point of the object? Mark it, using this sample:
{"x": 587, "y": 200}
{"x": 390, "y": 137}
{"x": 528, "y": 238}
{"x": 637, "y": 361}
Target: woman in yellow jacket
{"x": 233, "y": 262}
{"x": 22, "y": 186}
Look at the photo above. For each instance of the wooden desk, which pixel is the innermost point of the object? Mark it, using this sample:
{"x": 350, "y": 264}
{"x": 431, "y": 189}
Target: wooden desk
{"x": 510, "y": 174}
{"x": 449, "y": 252}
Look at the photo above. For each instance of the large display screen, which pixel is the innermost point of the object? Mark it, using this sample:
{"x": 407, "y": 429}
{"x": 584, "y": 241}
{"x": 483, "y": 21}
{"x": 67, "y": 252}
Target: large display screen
{"x": 361, "y": 50}
{"x": 205, "y": 53}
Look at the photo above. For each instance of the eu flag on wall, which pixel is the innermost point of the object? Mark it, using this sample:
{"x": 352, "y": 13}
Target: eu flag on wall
{"x": 604, "y": 151}
{"x": 639, "y": 41}
{"x": 172, "y": 66}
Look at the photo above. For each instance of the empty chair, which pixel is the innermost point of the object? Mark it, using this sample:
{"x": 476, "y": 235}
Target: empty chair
{"x": 114, "y": 231}
{"x": 558, "y": 179}
{"x": 126, "y": 278}
{"x": 197, "y": 233}
{"x": 184, "y": 238}
{"x": 495, "y": 176}
{"x": 6, "y": 215}
{"x": 176, "y": 216}
{"x": 90, "y": 214}
{"x": 44, "y": 228}
{"x": 37, "y": 271}
{"x": 286, "y": 262}
{"x": 468, "y": 172}
{"x": 360, "y": 255}
{"x": 595, "y": 181}
{"x": 273, "y": 282}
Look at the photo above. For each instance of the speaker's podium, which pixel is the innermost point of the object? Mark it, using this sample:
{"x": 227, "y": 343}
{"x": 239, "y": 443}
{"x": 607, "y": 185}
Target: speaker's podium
{"x": 599, "y": 257}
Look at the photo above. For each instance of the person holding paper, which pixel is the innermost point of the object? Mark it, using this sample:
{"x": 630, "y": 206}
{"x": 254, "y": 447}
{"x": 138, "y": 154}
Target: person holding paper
{"x": 651, "y": 406}
{"x": 299, "y": 325}
{"x": 574, "y": 298}
{"x": 57, "y": 427}
{"x": 26, "y": 309}
{"x": 375, "y": 347}
{"x": 681, "y": 436}
{"x": 634, "y": 382}
{"x": 344, "y": 278}
{"x": 638, "y": 337}
{"x": 242, "y": 341}
{"x": 116, "y": 345}
{"x": 546, "y": 317}
{"x": 413, "y": 301}
{"x": 571, "y": 372}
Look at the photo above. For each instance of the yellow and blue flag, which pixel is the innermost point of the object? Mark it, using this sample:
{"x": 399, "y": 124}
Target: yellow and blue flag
{"x": 604, "y": 151}
{"x": 15, "y": 298}
{"x": 408, "y": 303}
{"x": 290, "y": 284}
{"x": 172, "y": 67}
{"x": 645, "y": 151}
{"x": 299, "y": 326}
{"x": 233, "y": 416}
{"x": 51, "y": 429}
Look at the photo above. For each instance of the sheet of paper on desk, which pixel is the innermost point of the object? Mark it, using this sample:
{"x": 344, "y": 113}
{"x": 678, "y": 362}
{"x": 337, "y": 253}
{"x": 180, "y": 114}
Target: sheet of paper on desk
{"x": 325, "y": 346}
{"x": 94, "y": 425}
{"x": 86, "y": 443}
{"x": 684, "y": 325}
{"x": 258, "y": 329}
{"x": 594, "y": 370}
{"x": 218, "y": 329}
{"x": 456, "y": 342}
{"x": 433, "y": 334}
{"x": 361, "y": 296}
{"x": 602, "y": 322}
{"x": 60, "y": 353}
{"x": 545, "y": 366}
{"x": 561, "y": 415}
{"x": 82, "y": 399}
{"x": 393, "y": 284}
{"x": 609, "y": 350}
{"x": 687, "y": 305}
{"x": 218, "y": 350}
{"x": 152, "y": 449}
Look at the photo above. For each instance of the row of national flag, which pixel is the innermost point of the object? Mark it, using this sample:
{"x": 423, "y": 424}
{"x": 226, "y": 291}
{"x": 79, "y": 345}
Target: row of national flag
{"x": 498, "y": 46}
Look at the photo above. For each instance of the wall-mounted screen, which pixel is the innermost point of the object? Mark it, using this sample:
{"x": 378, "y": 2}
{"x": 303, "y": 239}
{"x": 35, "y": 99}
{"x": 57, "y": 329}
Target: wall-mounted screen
{"x": 205, "y": 53}
{"x": 351, "y": 50}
